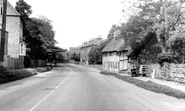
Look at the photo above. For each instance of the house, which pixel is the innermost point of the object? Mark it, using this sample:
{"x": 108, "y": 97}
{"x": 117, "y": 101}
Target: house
{"x": 16, "y": 49}
{"x": 113, "y": 57}
{"x": 73, "y": 50}
{"x": 86, "y": 47}
{"x": 121, "y": 56}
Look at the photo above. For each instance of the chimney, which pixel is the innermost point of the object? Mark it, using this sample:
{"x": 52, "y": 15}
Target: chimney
{"x": 116, "y": 33}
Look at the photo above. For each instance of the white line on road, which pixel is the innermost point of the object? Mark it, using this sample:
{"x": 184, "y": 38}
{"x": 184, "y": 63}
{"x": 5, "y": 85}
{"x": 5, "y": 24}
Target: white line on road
{"x": 51, "y": 91}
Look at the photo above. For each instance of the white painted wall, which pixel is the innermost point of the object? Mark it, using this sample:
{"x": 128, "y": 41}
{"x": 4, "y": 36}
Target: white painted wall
{"x": 119, "y": 61}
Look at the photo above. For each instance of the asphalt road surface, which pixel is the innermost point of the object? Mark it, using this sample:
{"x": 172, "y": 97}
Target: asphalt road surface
{"x": 77, "y": 88}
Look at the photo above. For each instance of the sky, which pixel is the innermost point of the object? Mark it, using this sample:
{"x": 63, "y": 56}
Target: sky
{"x": 77, "y": 21}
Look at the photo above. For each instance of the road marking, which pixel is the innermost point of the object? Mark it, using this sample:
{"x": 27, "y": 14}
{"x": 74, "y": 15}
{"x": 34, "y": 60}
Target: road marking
{"x": 51, "y": 91}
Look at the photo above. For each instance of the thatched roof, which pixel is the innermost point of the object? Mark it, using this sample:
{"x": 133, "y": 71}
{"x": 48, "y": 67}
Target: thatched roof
{"x": 114, "y": 45}
{"x": 138, "y": 46}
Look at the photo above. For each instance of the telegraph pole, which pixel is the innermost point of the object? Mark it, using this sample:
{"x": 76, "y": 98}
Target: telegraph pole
{"x": 3, "y": 32}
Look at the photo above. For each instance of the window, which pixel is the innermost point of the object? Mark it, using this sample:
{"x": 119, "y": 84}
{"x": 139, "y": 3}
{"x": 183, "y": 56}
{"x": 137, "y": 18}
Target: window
{"x": 115, "y": 65}
{"x": 118, "y": 65}
{"x": 1, "y": 10}
{"x": 22, "y": 49}
{"x": 125, "y": 64}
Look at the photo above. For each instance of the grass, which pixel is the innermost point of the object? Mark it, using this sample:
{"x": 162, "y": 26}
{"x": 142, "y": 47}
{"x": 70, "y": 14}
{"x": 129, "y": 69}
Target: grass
{"x": 149, "y": 85}
{"x": 13, "y": 75}
{"x": 18, "y": 74}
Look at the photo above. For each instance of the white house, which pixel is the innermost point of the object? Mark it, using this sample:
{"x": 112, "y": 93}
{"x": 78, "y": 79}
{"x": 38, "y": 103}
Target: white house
{"x": 114, "y": 56}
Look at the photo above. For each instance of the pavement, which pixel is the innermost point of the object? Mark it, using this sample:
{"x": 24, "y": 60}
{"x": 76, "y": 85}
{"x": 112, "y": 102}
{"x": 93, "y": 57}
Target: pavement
{"x": 172, "y": 84}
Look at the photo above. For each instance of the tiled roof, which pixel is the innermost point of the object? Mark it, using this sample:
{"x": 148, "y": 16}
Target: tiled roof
{"x": 114, "y": 45}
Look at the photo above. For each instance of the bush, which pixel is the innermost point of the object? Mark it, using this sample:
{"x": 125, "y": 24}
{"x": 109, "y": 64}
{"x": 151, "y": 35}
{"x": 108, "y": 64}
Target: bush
{"x": 15, "y": 75}
{"x": 149, "y": 85}
{"x": 43, "y": 69}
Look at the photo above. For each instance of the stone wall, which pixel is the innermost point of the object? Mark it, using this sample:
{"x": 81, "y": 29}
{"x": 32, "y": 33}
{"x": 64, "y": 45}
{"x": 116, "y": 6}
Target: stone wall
{"x": 172, "y": 72}
{"x": 177, "y": 72}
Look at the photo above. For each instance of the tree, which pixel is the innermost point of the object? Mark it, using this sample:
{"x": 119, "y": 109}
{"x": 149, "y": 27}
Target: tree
{"x": 24, "y": 9}
{"x": 178, "y": 49}
{"x": 135, "y": 29}
{"x": 166, "y": 15}
{"x": 75, "y": 57}
{"x": 38, "y": 34}
{"x": 112, "y": 30}
{"x": 95, "y": 54}
{"x": 46, "y": 28}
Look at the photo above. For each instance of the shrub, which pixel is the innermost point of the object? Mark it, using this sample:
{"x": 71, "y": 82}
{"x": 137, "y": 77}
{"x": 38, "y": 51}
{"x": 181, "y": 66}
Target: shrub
{"x": 15, "y": 75}
{"x": 43, "y": 69}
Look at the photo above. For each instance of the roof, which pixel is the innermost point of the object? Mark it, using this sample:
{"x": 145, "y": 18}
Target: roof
{"x": 114, "y": 45}
{"x": 73, "y": 50}
{"x": 55, "y": 49}
{"x": 94, "y": 42}
{"x": 138, "y": 46}
{"x": 10, "y": 9}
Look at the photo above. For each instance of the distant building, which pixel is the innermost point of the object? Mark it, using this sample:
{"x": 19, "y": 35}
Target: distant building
{"x": 73, "y": 50}
{"x": 16, "y": 49}
{"x": 85, "y": 48}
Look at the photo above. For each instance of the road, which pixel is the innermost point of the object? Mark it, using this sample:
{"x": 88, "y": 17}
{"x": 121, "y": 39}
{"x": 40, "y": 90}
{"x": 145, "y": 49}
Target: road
{"x": 78, "y": 88}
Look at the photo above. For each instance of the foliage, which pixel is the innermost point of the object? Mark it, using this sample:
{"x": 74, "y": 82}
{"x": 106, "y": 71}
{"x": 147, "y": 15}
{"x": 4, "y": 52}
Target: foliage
{"x": 75, "y": 57}
{"x": 46, "y": 28}
{"x": 38, "y": 34}
{"x": 24, "y": 9}
{"x": 150, "y": 53}
{"x": 135, "y": 29}
{"x": 34, "y": 41}
{"x": 112, "y": 30}
{"x": 178, "y": 50}
{"x": 164, "y": 57}
{"x": 162, "y": 17}
{"x": 13, "y": 75}
{"x": 166, "y": 17}
{"x": 95, "y": 54}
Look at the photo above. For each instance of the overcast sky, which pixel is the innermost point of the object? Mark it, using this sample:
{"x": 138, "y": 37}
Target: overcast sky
{"x": 76, "y": 21}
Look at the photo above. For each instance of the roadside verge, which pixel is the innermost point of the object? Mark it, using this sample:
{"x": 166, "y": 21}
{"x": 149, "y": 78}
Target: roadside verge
{"x": 12, "y": 75}
{"x": 149, "y": 85}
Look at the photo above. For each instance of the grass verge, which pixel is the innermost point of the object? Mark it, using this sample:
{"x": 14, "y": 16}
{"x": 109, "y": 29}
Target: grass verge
{"x": 149, "y": 85}
{"x": 13, "y": 75}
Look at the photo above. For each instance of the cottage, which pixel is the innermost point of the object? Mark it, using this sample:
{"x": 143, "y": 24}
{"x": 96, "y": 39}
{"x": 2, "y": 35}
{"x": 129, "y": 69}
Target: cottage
{"x": 16, "y": 49}
{"x": 119, "y": 56}
{"x": 114, "y": 57}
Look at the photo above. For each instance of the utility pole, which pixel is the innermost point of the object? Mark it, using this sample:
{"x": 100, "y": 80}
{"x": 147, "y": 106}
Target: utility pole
{"x": 3, "y": 32}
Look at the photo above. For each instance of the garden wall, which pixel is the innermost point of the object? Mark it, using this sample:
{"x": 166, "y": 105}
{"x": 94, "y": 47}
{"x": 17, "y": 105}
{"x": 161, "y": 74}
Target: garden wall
{"x": 177, "y": 72}
{"x": 173, "y": 72}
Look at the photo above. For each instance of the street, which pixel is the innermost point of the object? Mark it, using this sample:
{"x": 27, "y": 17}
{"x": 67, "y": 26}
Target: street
{"x": 77, "y": 88}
